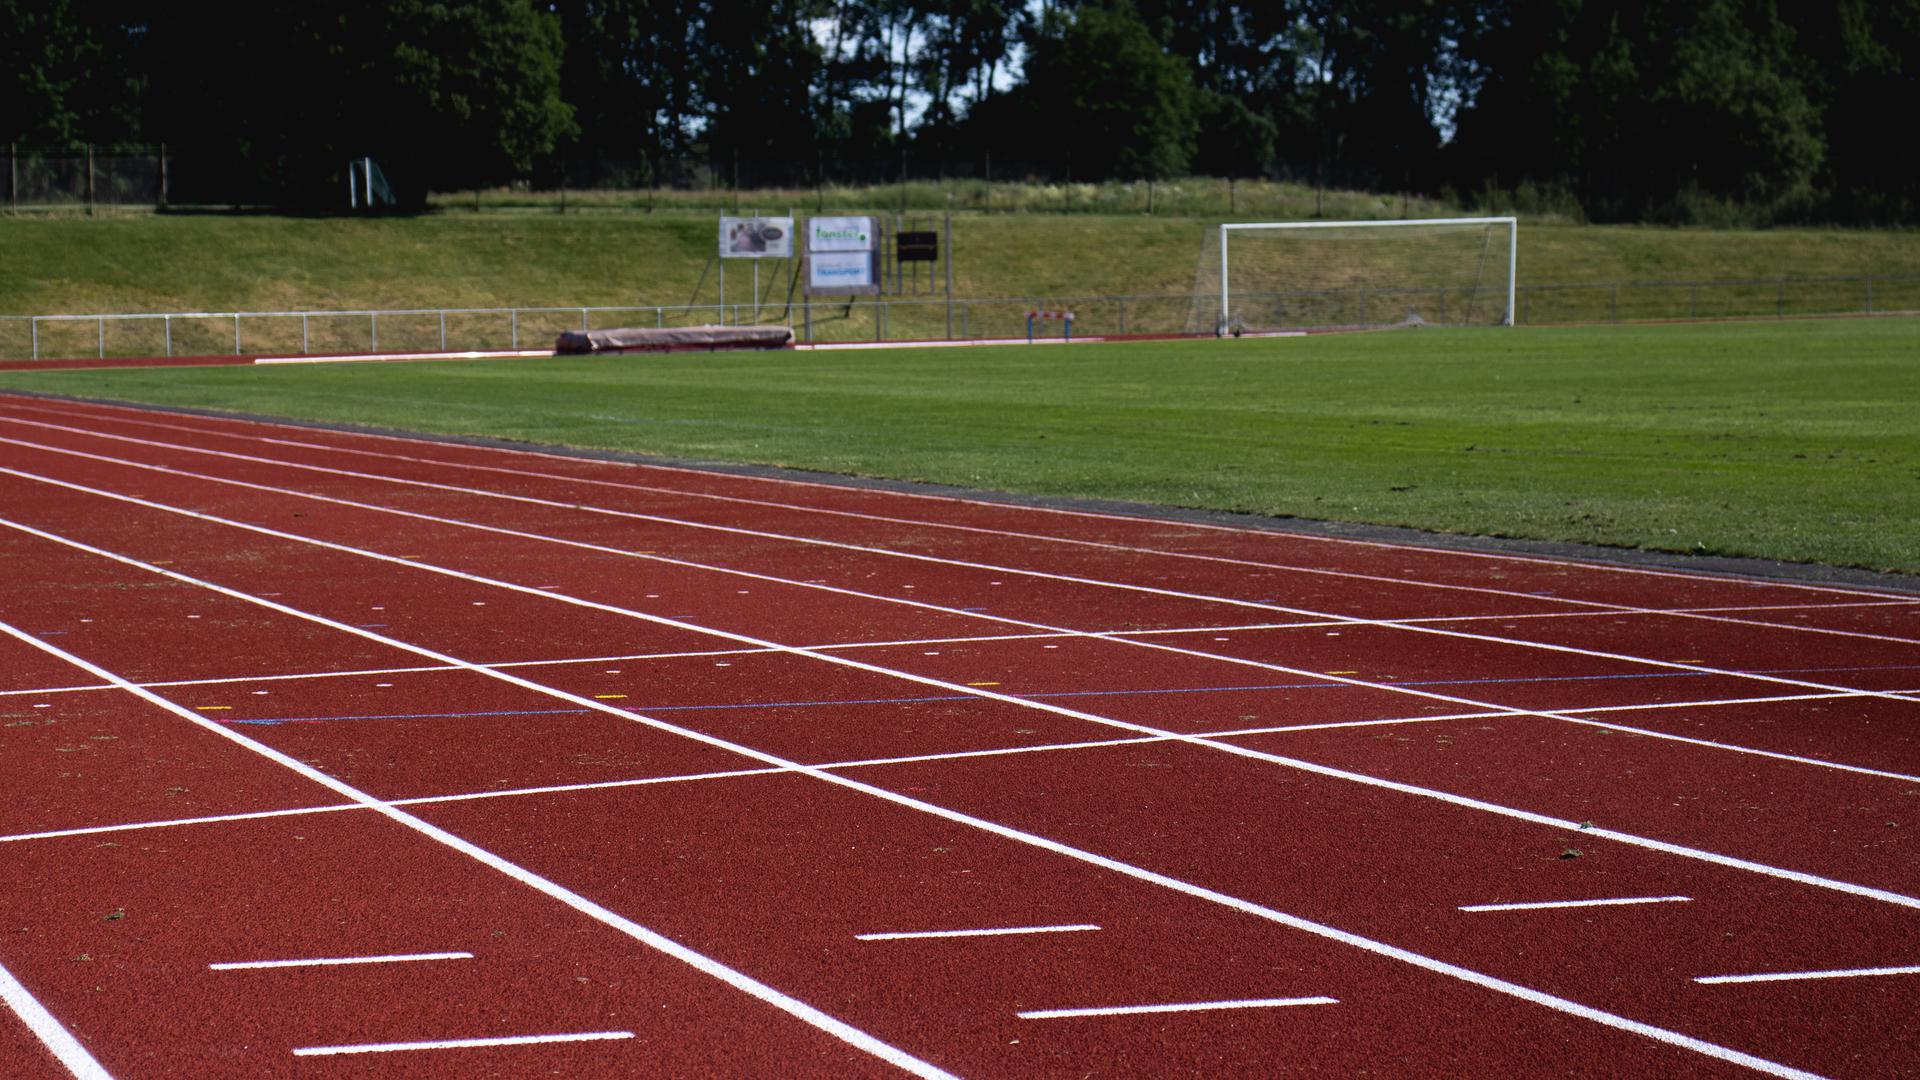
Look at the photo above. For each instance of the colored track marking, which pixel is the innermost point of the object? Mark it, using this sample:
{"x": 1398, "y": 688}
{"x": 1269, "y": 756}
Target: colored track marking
{"x": 1192, "y": 1006}
{"x": 1545, "y": 905}
{"x": 462, "y": 1044}
{"x": 908, "y": 935}
{"x": 335, "y": 961}
{"x": 1796, "y": 976}
{"x": 48, "y": 1029}
{"x": 1214, "y": 774}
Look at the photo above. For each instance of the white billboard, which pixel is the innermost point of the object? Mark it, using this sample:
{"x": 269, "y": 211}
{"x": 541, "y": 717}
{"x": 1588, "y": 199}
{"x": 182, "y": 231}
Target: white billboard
{"x": 840, "y": 271}
{"x": 840, "y": 234}
{"x": 756, "y": 238}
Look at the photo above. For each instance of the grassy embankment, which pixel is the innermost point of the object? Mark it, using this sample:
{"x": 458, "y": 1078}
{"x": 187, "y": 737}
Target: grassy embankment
{"x": 148, "y": 263}
{"x": 1788, "y": 440}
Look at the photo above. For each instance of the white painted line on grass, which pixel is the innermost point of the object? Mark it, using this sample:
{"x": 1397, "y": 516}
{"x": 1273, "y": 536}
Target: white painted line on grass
{"x": 908, "y": 935}
{"x": 1544, "y": 905}
{"x": 333, "y": 961}
{"x": 462, "y": 1044}
{"x": 49, "y": 1030}
{"x": 348, "y": 358}
{"x": 1191, "y": 1006}
{"x": 1792, "y": 976}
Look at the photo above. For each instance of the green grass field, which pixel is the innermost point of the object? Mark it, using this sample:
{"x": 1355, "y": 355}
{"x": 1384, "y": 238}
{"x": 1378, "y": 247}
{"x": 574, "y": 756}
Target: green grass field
{"x": 1785, "y": 440}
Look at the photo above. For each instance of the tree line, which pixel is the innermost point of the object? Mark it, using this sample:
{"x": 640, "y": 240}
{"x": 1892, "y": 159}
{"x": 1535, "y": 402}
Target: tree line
{"x": 1678, "y": 110}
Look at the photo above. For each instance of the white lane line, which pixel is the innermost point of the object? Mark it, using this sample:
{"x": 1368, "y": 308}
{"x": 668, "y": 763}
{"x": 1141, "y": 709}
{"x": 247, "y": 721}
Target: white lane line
{"x": 861, "y": 763}
{"x": 1665, "y": 665}
{"x": 335, "y": 961}
{"x": 462, "y": 1044}
{"x": 1191, "y": 1006}
{"x": 1543, "y": 905}
{"x": 739, "y": 980}
{"x": 1792, "y": 976}
{"x": 1138, "y": 873}
{"x": 351, "y": 358}
{"x": 1316, "y": 768}
{"x": 1567, "y": 716}
{"x": 939, "y": 560}
{"x": 167, "y": 823}
{"x": 49, "y": 1030}
{"x": 909, "y": 935}
{"x": 142, "y": 416}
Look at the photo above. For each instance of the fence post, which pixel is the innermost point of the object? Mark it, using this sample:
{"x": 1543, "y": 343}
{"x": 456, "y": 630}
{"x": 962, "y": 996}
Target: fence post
{"x": 373, "y": 331}
{"x": 35, "y": 326}
{"x": 100, "y": 334}
{"x": 236, "y": 333}
{"x": 168, "y": 328}
{"x": 303, "y": 333}
{"x": 443, "y": 330}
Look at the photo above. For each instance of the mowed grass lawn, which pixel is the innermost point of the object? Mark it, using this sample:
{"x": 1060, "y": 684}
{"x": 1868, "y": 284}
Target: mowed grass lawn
{"x": 1784, "y": 440}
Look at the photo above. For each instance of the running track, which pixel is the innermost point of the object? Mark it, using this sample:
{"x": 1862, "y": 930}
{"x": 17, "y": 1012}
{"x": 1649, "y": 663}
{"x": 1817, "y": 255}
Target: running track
{"x": 331, "y": 754}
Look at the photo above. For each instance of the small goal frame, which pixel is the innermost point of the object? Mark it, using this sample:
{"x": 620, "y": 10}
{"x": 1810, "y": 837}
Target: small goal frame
{"x": 1513, "y": 249}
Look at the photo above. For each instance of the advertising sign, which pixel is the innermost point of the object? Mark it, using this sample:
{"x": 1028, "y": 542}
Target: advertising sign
{"x": 840, "y": 234}
{"x": 756, "y": 238}
{"x": 840, "y": 272}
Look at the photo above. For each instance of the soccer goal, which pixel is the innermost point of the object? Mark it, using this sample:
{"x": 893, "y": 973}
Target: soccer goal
{"x": 1311, "y": 275}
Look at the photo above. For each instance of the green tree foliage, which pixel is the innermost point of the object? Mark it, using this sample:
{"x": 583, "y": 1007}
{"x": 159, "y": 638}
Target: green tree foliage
{"x": 70, "y": 73}
{"x": 1643, "y": 109}
{"x": 1103, "y": 97}
{"x": 446, "y": 95}
{"x": 1679, "y": 110}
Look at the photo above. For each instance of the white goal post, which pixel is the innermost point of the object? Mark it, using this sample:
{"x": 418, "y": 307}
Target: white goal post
{"x": 1305, "y": 275}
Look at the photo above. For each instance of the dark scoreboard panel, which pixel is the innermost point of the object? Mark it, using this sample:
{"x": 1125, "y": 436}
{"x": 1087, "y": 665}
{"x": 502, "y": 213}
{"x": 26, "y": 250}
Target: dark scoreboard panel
{"x": 917, "y": 246}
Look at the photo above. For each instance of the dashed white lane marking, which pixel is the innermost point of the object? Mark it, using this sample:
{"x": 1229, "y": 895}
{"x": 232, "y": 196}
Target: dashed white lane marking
{"x": 49, "y": 1030}
{"x": 788, "y": 1004}
{"x": 334, "y": 961}
{"x": 907, "y": 935}
{"x": 1543, "y": 905}
{"x": 1516, "y": 813}
{"x": 1191, "y": 1006}
{"x": 1790, "y": 976}
{"x": 846, "y": 1032}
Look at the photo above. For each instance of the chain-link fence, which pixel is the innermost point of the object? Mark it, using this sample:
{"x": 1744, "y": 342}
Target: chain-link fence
{"x": 84, "y": 180}
{"x": 296, "y": 333}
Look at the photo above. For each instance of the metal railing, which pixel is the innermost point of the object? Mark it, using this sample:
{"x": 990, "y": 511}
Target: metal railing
{"x": 897, "y": 318}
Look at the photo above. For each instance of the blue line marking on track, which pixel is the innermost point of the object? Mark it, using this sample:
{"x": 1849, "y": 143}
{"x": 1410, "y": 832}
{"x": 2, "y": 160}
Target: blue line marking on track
{"x": 650, "y": 709}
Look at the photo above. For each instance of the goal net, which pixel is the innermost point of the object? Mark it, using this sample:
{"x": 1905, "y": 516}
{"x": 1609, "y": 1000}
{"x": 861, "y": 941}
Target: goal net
{"x": 1311, "y": 275}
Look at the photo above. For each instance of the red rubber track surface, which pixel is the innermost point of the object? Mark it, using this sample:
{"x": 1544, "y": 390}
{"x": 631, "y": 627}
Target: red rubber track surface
{"x": 629, "y": 770}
